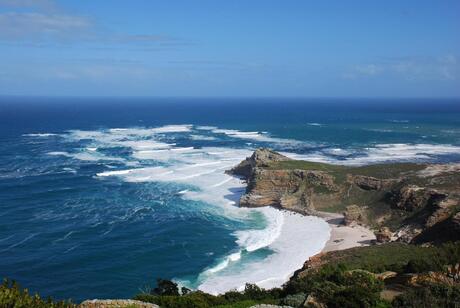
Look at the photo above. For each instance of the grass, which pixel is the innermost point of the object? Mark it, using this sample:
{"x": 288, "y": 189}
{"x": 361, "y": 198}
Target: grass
{"x": 383, "y": 171}
{"x": 395, "y": 257}
{"x": 387, "y": 171}
{"x": 305, "y": 165}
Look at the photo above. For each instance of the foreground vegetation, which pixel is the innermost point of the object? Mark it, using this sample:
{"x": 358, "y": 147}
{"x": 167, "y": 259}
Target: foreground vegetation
{"x": 345, "y": 279}
{"x": 348, "y": 278}
{"x": 12, "y": 296}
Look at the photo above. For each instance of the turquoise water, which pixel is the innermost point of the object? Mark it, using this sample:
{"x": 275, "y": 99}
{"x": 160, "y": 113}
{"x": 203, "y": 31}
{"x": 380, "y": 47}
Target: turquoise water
{"x": 99, "y": 197}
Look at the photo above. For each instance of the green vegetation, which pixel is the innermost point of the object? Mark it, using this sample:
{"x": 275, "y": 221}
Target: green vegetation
{"x": 251, "y": 296}
{"x": 12, "y": 296}
{"x": 431, "y": 295}
{"x": 345, "y": 279}
{"x": 335, "y": 286}
{"x": 387, "y": 171}
{"x": 382, "y": 171}
{"x": 306, "y": 165}
{"x": 397, "y": 257}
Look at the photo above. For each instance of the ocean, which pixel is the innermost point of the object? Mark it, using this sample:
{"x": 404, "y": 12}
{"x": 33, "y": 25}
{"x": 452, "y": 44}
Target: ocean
{"x": 101, "y": 196}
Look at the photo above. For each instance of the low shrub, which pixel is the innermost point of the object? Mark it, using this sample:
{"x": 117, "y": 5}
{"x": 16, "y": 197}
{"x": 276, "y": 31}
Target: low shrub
{"x": 433, "y": 296}
{"x": 12, "y": 296}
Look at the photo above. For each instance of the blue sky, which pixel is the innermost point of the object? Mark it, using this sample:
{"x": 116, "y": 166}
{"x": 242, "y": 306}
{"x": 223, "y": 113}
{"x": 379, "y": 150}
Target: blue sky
{"x": 230, "y": 48}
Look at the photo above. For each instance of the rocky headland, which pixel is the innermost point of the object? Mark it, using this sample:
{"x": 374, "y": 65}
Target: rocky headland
{"x": 406, "y": 202}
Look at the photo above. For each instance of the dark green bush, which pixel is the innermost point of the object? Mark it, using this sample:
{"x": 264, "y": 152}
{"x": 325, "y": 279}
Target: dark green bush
{"x": 432, "y": 296}
{"x": 252, "y": 293}
{"x": 165, "y": 287}
{"x": 337, "y": 287}
{"x": 12, "y": 296}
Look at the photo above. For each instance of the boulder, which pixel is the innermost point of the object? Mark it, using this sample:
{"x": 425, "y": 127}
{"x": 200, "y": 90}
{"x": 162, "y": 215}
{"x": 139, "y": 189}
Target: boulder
{"x": 312, "y": 301}
{"x": 353, "y": 214}
{"x": 383, "y": 235}
{"x": 115, "y": 303}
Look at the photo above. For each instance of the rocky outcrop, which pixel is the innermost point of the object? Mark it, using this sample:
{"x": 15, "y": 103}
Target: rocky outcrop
{"x": 446, "y": 230}
{"x": 115, "y": 303}
{"x": 371, "y": 183}
{"x": 442, "y": 210}
{"x": 353, "y": 215}
{"x": 408, "y": 232}
{"x": 411, "y": 197}
{"x": 260, "y": 158}
{"x": 383, "y": 235}
{"x": 313, "y": 302}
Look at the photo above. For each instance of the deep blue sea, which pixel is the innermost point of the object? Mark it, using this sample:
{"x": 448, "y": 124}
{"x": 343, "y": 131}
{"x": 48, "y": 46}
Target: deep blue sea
{"x": 99, "y": 197}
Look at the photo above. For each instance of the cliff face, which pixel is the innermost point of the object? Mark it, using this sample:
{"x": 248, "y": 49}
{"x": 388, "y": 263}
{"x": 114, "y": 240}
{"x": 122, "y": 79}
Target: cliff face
{"x": 411, "y": 201}
{"x": 289, "y": 189}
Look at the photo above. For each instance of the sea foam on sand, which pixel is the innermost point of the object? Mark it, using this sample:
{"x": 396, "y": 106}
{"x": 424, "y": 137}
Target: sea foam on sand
{"x": 300, "y": 237}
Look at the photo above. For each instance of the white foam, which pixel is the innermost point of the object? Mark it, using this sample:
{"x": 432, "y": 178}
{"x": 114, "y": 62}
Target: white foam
{"x": 401, "y": 152}
{"x": 58, "y": 153}
{"x": 115, "y": 173}
{"x": 202, "y": 138}
{"x": 315, "y": 124}
{"x": 173, "y": 129}
{"x": 300, "y": 238}
{"x": 40, "y": 135}
{"x": 86, "y": 156}
{"x": 223, "y": 264}
{"x": 70, "y": 170}
{"x": 252, "y": 240}
{"x": 204, "y": 127}
{"x": 256, "y": 136}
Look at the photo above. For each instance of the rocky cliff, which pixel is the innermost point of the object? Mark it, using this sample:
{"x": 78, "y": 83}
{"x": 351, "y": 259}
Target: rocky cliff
{"x": 405, "y": 202}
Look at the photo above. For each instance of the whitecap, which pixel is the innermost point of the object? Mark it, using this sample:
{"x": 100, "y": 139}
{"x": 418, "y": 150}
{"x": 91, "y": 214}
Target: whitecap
{"x": 39, "y": 135}
{"x": 202, "y": 138}
{"x": 380, "y": 153}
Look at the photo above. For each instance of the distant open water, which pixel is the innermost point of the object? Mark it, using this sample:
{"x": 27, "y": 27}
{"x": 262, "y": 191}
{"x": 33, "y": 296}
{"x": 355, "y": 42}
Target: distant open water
{"x": 99, "y": 197}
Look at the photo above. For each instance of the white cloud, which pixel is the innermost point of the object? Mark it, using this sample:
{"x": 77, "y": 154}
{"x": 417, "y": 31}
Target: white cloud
{"x": 369, "y": 69}
{"x": 441, "y": 68}
{"x": 19, "y": 26}
{"x": 45, "y": 4}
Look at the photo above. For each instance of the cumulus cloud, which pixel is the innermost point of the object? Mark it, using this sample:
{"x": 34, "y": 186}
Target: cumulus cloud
{"x": 441, "y": 68}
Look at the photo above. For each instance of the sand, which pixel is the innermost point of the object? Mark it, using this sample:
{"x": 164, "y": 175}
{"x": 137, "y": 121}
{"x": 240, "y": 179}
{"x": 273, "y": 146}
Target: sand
{"x": 344, "y": 237}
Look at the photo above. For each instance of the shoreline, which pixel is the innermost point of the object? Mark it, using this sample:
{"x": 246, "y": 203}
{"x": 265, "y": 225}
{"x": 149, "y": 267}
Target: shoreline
{"x": 277, "y": 268}
{"x": 344, "y": 237}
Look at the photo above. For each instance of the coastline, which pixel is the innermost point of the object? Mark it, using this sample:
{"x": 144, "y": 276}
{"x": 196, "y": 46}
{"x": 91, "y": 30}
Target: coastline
{"x": 344, "y": 237}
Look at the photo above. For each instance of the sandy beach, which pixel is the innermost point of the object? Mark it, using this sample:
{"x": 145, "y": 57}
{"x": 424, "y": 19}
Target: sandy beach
{"x": 344, "y": 237}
